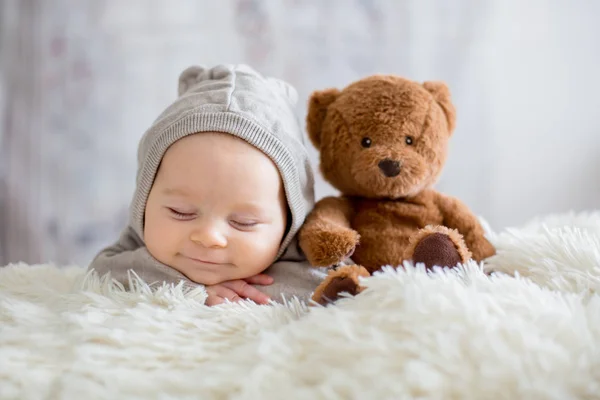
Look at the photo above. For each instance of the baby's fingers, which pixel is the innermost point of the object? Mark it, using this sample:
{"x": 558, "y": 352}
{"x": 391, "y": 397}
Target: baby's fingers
{"x": 218, "y": 294}
{"x": 244, "y": 290}
{"x": 260, "y": 279}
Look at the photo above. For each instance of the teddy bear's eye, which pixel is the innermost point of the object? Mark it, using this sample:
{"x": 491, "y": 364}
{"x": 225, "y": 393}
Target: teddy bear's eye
{"x": 409, "y": 140}
{"x": 366, "y": 142}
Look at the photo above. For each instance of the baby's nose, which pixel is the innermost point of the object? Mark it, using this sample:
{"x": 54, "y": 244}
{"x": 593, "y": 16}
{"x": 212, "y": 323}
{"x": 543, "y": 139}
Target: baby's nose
{"x": 209, "y": 237}
{"x": 389, "y": 167}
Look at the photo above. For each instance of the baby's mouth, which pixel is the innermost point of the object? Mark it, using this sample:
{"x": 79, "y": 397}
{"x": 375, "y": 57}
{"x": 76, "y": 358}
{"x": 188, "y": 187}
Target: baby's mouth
{"x": 204, "y": 261}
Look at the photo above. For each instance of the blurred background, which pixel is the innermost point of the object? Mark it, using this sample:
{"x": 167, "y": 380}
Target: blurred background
{"x": 80, "y": 81}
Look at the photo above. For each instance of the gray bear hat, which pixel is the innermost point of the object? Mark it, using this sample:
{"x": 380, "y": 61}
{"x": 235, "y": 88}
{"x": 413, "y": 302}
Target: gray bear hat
{"x": 233, "y": 99}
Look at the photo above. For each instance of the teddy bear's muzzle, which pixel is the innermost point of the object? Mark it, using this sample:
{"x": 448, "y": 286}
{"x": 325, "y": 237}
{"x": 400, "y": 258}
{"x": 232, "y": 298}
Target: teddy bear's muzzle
{"x": 389, "y": 167}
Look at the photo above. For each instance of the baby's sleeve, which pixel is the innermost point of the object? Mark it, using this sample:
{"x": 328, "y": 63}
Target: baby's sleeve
{"x": 292, "y": 279}
{"x": 130, "y": 253}
{"x": 293, "y": 276}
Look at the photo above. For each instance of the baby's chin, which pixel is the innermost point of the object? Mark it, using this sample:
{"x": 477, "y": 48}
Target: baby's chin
{"x": 208, "y": 274}
{"x": 216, "y": 277}
{"x": 211, "y": 278}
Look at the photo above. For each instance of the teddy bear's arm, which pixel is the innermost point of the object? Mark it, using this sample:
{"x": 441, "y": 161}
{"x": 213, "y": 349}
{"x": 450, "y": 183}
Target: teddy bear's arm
{"x": 458, "y": 216}
{"x": 326, "y": 236}
{"x": 335, "y": 210}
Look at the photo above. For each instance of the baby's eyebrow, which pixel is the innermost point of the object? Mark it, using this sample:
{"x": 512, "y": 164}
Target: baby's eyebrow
{"x": 175, "y": 192}
{"x": 251, "y": 208}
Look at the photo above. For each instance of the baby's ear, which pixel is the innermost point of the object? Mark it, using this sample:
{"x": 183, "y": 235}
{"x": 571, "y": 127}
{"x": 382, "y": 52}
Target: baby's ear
{"x": 189, "y": 77}
{"x": 441, "y": 94}
{"x": 317, "y": 110}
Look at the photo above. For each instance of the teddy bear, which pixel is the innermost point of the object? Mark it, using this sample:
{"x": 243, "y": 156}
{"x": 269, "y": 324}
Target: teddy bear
{"x": 382, "y": 142}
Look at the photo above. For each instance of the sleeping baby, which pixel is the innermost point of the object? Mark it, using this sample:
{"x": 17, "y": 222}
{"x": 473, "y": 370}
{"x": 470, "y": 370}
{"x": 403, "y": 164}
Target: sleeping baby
{"x": 223, "y": 185}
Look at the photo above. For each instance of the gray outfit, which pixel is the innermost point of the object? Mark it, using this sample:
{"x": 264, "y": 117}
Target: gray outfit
{"x": 233, "y": 99}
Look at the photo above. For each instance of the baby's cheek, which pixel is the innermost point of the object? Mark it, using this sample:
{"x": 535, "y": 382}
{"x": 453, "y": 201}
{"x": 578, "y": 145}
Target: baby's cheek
{"x": 258, "y": 253}
{"x": 155, "y": 246}
{"x": 161, "y": 240}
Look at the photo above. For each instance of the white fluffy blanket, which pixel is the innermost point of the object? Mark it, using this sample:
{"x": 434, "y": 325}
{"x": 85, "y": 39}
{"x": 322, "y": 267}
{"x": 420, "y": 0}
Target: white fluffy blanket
{"x": 453, "y": 335}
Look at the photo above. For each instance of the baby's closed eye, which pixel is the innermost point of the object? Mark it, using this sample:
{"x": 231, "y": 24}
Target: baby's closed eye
{"x": 239, "y": 222}
{"x": 243, "y": 224}
{"x": 181, "y": 214}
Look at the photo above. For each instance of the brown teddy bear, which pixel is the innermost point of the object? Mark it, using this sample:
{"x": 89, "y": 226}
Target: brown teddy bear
{"x": 383, "y": 142}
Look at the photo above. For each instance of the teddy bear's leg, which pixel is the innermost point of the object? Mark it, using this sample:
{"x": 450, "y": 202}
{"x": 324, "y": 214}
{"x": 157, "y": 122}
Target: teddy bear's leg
{"x": 437, "y": 245}
{"x": 343, "y": 279}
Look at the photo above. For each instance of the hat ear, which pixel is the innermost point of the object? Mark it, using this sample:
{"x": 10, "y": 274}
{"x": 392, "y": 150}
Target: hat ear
{"x": 285, "y": 89}
{"x": 441, "y": 94}
{"x": 189, "y": 77}
{"x": 317, "y": 111}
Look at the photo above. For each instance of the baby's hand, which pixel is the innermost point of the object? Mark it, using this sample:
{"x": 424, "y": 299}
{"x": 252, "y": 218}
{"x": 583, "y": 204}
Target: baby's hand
{"x": 239, "y": 289}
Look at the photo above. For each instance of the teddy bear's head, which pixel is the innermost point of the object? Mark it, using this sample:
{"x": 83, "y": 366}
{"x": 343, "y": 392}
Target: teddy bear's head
{"x": 383, "y": 136}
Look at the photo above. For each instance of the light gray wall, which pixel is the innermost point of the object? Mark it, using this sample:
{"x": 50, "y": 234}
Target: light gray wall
{"x": 81, "y": 80}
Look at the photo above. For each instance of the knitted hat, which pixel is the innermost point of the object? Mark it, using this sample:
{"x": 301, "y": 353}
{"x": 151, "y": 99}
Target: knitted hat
{"x": 233, "y": 99}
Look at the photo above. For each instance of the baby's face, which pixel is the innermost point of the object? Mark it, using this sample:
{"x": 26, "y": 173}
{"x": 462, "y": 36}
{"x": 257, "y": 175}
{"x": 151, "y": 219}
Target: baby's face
{"x": 216, "y": 210}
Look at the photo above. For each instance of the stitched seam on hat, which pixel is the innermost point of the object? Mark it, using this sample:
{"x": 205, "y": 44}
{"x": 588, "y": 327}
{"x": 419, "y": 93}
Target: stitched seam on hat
{"x": 197, "y": 110}
{"x": 233, "y": 86}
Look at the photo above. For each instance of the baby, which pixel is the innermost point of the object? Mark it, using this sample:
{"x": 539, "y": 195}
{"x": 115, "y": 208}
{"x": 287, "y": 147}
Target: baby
{"x": 223, "y": 185}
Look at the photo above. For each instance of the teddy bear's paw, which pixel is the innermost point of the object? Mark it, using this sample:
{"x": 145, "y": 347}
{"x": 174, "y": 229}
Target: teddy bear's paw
{"x": 482, "y": 249}
{"x": 439, "y": 246}
{"x": 343, "y": 280}
{"x": 327, "y": 247}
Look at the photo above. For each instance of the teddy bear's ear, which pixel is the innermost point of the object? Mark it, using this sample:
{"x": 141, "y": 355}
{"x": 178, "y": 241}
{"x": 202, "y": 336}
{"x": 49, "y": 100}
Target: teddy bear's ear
{"x": 441, "y": 94}
{"x": 317, "y": 110}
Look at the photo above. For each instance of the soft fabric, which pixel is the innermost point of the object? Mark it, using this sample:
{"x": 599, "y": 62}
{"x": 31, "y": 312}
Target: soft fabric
{"x": 451, "y": 335}
{"x": 383, "y": 142}
{"x": 233, "y": 99}
{"x": 129, "y": 258}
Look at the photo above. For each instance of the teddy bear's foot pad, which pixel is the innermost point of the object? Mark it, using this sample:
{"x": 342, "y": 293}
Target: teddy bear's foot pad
{"x": 437, "y": 249}
{"x": 336, "y": 287}
{"x": 344, "y": 279}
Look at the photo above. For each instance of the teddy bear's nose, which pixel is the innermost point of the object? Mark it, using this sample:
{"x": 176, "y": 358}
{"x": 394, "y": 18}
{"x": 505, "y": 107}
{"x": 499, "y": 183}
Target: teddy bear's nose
{"x": 390, "y": 168}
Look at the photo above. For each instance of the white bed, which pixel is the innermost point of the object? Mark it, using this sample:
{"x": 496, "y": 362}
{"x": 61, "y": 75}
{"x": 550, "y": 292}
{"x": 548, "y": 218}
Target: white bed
{"x": 455, "y": 334}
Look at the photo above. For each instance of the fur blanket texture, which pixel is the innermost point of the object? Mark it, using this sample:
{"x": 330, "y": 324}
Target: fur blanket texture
{"x": 530, "y": 330}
